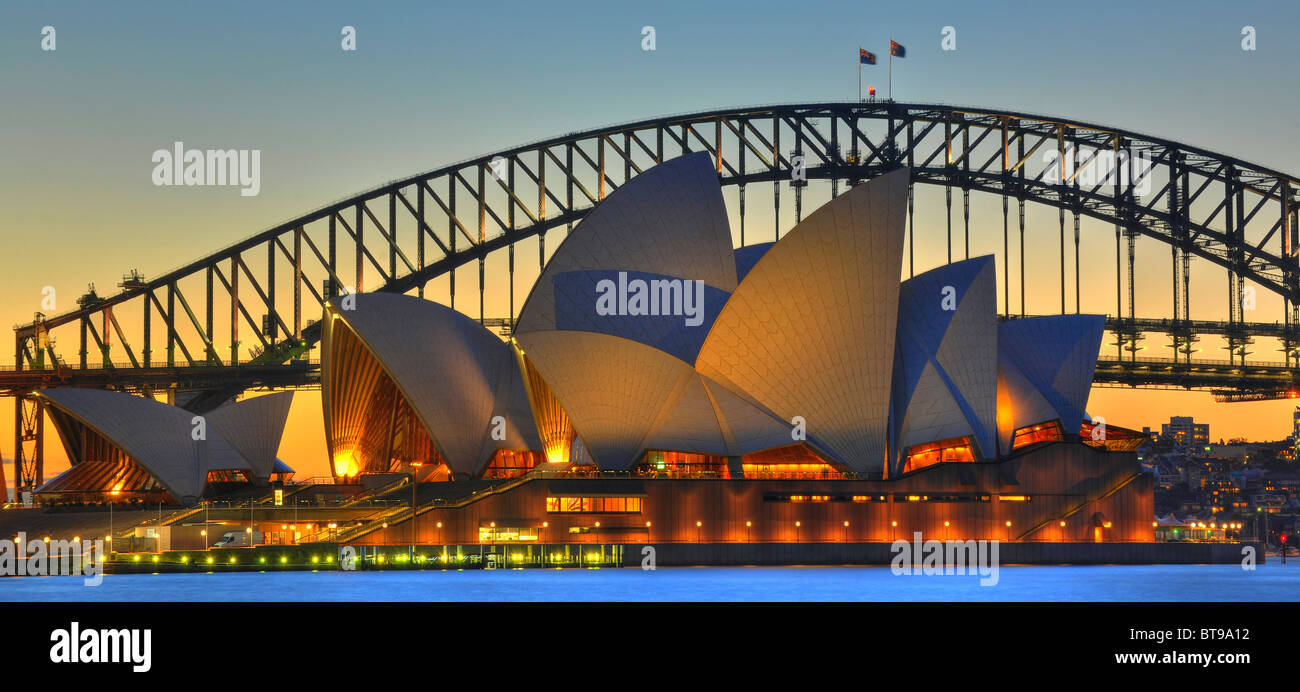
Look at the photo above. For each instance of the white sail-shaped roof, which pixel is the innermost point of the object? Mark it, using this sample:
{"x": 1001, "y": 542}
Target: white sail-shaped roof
{"x": 809, "y": 332}
{"x": 455, "y": 375}
{"x": 945, "y": 373}
{"x": 1046, "y": 366}
{"x": 669, "y": 220}
{"x": 255, "y": 426}
{"x": 612, "y": 388}
{"x": 158, "y": 437}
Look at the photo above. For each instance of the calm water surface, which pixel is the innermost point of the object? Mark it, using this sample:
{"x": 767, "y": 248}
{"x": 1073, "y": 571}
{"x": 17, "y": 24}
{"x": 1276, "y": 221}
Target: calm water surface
{"x": 1270, "y": 582}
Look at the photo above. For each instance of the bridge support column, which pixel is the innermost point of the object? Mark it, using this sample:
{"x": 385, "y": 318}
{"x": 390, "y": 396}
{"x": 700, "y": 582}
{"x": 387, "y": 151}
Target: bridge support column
{"x": 29, "y": 447}
{"x": 798, "y": 185}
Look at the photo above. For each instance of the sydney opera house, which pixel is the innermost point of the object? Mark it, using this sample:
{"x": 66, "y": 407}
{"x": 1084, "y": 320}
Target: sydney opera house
{"x": 659, "y": 385}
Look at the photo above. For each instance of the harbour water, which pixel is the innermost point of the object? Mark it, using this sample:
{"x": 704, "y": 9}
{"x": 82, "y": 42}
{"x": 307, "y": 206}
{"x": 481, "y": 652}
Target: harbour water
{"x": 1269, "y": 582}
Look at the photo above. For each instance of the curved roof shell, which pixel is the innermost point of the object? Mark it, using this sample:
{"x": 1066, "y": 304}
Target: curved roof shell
{"x": 669, "y": 220}
{"x": 255, "y": 426}
{"x": 455, "y": 375}
{"x": 802, "y": 334}
{"x": 625, "y": 398}
{"x": 1045, "y": 370}
{"x": 945, "y": 370}
{"x": 156, "y": 436}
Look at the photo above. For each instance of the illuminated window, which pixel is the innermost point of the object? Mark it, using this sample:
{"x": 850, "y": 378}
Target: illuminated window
{"x": 940, "y": 451}
{"x": 1049, "y": 431}
{"x": 509, "y": 463}
{"x": 811, "y": 471}
{"x": 227, "y": 476}
{"x": 1112, "y": 437}
{"x": 586, "y": 505}
{"x": 501, "y": 534}
{"x": 975, "y": 497}
{"x": 683, "y": 465}
{"x": 791, "y": 461}
{"x": 844, "y": 497}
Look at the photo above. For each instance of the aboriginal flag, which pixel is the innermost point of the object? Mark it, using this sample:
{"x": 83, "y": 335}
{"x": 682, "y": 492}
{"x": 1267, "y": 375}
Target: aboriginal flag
{"x": 897, "y": 50}
{"x": 866, "y": 57}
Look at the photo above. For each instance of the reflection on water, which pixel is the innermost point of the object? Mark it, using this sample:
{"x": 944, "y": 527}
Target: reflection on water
{"x": 1270, "y": 582}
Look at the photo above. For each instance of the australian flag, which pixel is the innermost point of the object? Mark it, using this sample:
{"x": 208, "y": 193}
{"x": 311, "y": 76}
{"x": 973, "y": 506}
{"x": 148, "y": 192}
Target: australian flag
{"x": 896, "y": 49}
{"x": 866, "y": 57}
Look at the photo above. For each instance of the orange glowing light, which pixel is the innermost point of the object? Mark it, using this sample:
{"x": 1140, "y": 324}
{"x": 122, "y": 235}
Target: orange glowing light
{"x": 345, "y": 464}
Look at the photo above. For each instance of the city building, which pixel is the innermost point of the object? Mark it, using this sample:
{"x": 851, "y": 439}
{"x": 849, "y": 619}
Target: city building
{"x": 1185, "y": 433}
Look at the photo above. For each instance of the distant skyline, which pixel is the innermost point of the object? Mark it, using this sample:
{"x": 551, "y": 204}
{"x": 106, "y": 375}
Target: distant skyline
{"x": 431, "y": 84}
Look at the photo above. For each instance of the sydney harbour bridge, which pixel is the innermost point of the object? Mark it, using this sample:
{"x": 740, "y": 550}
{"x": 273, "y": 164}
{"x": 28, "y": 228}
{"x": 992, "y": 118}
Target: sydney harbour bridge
{"x": 181, "y": 332}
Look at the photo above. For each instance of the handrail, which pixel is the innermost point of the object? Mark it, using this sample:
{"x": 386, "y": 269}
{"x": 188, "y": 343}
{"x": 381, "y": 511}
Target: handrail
{"x": 1084, "y": 503}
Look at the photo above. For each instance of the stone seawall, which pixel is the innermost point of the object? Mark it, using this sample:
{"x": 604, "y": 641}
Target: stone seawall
{"x": 718, "y": 554}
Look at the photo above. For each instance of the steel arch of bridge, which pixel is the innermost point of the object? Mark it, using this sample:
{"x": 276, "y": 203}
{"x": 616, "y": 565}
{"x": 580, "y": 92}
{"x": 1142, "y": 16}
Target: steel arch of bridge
{"x": 1238, "y": 215}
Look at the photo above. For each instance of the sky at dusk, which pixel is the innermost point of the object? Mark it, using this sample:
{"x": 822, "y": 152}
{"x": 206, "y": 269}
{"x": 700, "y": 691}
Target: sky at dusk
{"x": 434, "y": 83}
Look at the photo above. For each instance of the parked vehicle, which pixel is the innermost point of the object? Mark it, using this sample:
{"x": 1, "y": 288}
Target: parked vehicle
{"x": 238, "y": 539}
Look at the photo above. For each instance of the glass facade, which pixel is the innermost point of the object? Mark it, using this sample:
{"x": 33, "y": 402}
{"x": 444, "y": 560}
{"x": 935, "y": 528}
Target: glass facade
{"x": 1049, "y": 431}
{"x": 952, "y": 449}
{"x": 594, "y": 505}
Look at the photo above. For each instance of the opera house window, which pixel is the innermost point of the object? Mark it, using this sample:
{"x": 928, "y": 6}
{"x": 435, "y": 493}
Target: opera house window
{"x": 591, "y": 505}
